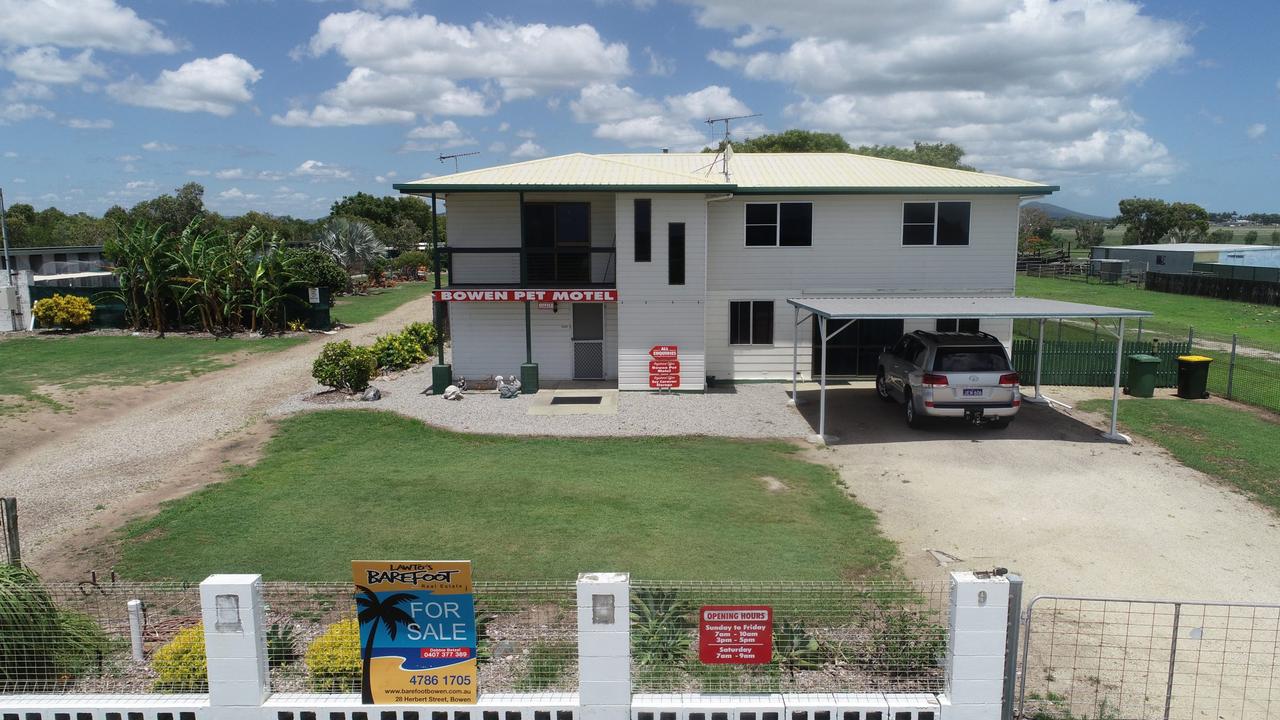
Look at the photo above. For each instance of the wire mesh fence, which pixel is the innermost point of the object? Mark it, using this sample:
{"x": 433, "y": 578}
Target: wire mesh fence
{"x": 1131, "y": 660}
{"x": 76, "y": 637}
{"x": 527, "y": 637}
{"x": 826, "y": 637}
{"x": 1249, "y": 373}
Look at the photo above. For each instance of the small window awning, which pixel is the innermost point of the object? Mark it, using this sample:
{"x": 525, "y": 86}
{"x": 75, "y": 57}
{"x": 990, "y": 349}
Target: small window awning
{"x": 904, "y": 307}
{"x": 912, "y": 306}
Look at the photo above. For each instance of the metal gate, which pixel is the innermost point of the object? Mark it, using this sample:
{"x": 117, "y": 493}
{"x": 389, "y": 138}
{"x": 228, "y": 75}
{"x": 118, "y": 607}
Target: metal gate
{"x": 1117, "y": 659}
{"x": 588, "y": 341}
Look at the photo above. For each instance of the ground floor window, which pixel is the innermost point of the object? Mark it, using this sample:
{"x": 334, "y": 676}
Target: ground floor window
{"x": 969, "y": 325}
{"x": 751, "y": 322}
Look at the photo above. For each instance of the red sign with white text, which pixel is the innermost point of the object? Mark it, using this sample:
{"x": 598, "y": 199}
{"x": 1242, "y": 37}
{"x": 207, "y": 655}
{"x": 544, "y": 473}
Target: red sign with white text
{"x": 663, "y": 352}
{"x": 664, "y": 367}
{"x": 664, "y": 382}
{"x": 735, "y": 634}
{"x": 540, "y": 296}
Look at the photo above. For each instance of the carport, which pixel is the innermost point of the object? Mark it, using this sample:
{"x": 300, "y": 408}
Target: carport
{"x": 892, "y": 307}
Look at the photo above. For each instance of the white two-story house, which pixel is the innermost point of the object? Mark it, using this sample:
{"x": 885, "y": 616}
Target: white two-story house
{"x": 583, "y": 264}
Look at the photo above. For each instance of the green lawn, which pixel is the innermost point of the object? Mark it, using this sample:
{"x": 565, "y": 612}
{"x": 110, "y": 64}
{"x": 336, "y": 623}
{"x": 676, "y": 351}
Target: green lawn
{"x": 1257, "y": 325}
{"x": 86, "y": 360}
{"x": 356, "y": 309}
{"x": 1236, "y": 446}
{"x": 335, "y": 486}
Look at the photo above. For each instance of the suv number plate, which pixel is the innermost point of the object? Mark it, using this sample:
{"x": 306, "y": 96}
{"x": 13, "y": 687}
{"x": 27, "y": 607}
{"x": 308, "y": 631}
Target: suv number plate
{"x": 973, "y": 392}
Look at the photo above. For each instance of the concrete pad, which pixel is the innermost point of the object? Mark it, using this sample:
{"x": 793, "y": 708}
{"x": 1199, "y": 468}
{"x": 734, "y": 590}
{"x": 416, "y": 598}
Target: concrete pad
{"x": 608, "y": 405}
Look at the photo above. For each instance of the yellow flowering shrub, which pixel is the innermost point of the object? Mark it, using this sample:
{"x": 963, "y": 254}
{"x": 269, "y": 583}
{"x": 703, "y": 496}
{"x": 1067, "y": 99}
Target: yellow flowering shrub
{"x": 180, "y": 665}
{"x": 64, "y": 311}
{"x": 333, "y": 660}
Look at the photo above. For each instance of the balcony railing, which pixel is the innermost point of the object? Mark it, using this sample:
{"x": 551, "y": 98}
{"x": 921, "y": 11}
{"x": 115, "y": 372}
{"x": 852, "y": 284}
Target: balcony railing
{"x": 562, "y": 267}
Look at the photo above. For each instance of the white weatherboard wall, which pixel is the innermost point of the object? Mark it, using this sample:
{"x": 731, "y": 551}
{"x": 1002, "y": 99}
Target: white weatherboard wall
{"x": 488, "y": 339}
{"x": 651, "y": 311}
{"x": 857, "y": 250}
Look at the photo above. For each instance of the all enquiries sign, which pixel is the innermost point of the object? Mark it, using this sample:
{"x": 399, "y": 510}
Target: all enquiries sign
{"x": 735, "y": 634}
{"x": 664, "y": 368}
{"x": 417, "y": 632}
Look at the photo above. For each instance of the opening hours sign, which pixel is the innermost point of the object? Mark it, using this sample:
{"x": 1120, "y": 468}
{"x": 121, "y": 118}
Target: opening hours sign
{"x": 735, "y": 634}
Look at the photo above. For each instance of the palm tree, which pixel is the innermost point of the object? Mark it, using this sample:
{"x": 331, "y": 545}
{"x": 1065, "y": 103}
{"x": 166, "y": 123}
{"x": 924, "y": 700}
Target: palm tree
{"x": 352, "y": 243}
{"x": 385, "y": 612}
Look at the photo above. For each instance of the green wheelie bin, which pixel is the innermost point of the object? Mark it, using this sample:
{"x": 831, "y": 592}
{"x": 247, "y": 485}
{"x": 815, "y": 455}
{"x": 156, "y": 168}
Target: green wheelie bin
{"x": 1193, "y": 376}
{"x": 1142, "y": 375}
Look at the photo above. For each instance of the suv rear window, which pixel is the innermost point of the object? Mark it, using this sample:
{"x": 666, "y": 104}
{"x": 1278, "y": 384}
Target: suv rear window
{"x": 970, "y": 359}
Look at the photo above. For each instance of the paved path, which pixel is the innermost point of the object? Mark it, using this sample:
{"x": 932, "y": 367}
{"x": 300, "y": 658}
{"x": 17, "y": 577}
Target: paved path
{"x": 173, "y": 438}
{"x": 1048, "y": 499}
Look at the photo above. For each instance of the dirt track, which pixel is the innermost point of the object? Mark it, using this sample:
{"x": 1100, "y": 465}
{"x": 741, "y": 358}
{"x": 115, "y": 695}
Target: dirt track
{"x": 133, "y": 447}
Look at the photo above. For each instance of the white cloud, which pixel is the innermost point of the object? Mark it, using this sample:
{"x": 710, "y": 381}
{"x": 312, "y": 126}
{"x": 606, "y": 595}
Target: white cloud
{"x": 213, "y": 85}
{"x": 652, "y": 131}
{"x": 606, "y": 102}
{"x": 409, "y": 65}
{"x": 1023, "y": 85}
{"x": 141, "y": 186}
{"x": 242, "y": 174}
{"x": 28, "y": 91}
{"x": 45, "y": 65}
{"x": 504, "y": 126}
{"x": 101, "y": 24}
{"x": 90, "y": 124}
{"x": 230, "y": 174}
{"x": 198, "y": 173}
{"x": 386, "y": 178}
{"x": 317, "y": 170}
{"x": 128, "y": 158}
{"x": 10, "y": 154}
{"x": 157, "y": 146}
{"x": 626, "y": 116}
{"x": 710, "y": 101}
{"x": 236, "y": 195}
{"x": 1256, "y": 131}
{"x": 17, "y": 112}
{"x": 497, "y": 147}
{"x": 659, "y": 65}
{"x": 19, "y": 180}
{"x": 437, "y": 137}
{"x": 529, "y": 149}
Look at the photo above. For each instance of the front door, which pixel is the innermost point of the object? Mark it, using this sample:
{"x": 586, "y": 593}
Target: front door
{"x": 588, "y": 341}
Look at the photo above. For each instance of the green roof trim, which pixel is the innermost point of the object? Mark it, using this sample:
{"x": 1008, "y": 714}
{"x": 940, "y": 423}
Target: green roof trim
{"x": 410, "y": 188}
{"x": 477, "y": 187}
{"x": 1028, "y": 190}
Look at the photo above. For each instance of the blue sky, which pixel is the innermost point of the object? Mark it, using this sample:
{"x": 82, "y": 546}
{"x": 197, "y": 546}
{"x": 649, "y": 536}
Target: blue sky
{"x": 285, "y": 105}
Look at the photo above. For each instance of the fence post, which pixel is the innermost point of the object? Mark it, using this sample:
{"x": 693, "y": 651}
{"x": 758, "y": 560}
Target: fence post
{"x": 12, "y": 543}
{"x": 604, "y": 645}
{"x": 977, "y": 646}
{"x": 1139, "y": 329}
{"x": 1231, "y": 366}
{"x": 1191, "y": 337}
{"x": 235, "y": 642}
{"x": 1012, "y": 633}
{"x": 135, "y": 629}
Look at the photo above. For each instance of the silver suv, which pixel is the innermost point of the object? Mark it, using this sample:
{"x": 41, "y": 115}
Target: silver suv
{"x": 950, "y": 374}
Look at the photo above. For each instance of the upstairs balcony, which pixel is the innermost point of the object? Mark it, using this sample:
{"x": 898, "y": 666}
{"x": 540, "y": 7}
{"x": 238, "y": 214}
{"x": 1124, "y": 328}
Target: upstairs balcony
{"x": 543, "y": 267}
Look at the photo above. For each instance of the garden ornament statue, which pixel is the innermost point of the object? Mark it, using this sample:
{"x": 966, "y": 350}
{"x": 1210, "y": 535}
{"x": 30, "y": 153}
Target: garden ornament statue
{"x": 509, "y": 388}
{"x": 453, "y": 392}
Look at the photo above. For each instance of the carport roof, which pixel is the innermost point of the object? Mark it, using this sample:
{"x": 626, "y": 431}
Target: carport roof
{"x": 914, "y": 306}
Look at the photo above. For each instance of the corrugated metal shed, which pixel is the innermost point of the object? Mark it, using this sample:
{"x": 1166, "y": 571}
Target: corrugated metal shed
{"x": 748, "y": 173}
{"x": 900, "y": 306}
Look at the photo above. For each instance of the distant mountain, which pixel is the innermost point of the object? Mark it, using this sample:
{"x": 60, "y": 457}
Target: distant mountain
{"x": 1057, "y": 212}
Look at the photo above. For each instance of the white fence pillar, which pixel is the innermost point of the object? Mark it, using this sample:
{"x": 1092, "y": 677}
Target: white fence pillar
{"x": 976, "y": 647}
{"x": 604, "y": 646}
{"x": 235, "y": 642}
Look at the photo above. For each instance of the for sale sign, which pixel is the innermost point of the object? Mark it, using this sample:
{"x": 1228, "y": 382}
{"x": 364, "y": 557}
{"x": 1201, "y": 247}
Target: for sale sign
{"x": 417, "y": 632}
{"x": 735, "y": 634}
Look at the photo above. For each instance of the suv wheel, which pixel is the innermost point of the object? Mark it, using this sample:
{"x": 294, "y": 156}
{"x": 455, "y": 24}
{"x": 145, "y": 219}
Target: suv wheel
{"x": 913, "y": 420}
{"x": 882, "y": 387}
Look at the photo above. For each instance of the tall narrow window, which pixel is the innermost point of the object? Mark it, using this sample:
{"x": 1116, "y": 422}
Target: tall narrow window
{"x": 644, "y": 230}
{"x": 751, "y": 322}
{"x": 675, "y": 253}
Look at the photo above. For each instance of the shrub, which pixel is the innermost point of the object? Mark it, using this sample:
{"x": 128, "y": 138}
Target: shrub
{"x": 281, "y": 645}
{"x": 41, "y": 646}
{"x": 407, "y": 263}
{"x": 333, "y": 660}
{"x": 904, "y": 643}
{"x": 397, "y": 351}
{"x": 316, "y": 268}
{"x": 424, "y": 334}
{"x": 180, "y": 665}
{"x": 344, "y": 366}
{"x": 64, "y": 311}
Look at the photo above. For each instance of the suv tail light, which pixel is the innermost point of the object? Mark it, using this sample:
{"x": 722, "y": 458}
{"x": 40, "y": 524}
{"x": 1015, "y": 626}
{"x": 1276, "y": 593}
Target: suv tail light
{"x": 932, "y": 380}
{"x": 1009, "y": 379}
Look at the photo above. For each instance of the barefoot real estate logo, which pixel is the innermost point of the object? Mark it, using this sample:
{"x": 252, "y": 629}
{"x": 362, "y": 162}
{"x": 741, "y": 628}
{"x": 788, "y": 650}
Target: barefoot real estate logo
{"x": 417, "y": 632}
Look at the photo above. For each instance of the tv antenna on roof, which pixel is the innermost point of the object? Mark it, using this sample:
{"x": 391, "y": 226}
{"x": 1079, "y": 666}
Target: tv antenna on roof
{"x": 455, "y": 157}
{"x": 725, "y": 149}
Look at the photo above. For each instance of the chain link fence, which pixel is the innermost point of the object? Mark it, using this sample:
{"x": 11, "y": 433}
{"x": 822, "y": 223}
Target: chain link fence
{"x": 1139, "y": 659}
{"x": 827, "y": 637}
{"x": 78, "y": 637}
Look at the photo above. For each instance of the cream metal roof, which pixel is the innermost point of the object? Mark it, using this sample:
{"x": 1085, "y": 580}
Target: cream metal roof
{"x": 748, "y": 173}
{"x": 896, "y": 307}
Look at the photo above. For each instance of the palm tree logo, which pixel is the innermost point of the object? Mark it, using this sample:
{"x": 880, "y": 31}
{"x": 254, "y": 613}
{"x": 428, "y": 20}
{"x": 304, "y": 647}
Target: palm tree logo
{"x": 374, "y": 612}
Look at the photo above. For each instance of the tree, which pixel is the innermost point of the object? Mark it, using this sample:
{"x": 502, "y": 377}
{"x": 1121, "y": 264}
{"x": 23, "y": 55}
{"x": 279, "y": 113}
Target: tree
{"x": 351, "y": 242}
{"x": 1035, "y": 228}
{"x": 1146, "y": 220}
{"x": 1090, "y": 234}
{"x": 399, "y": 222}
{"x": 946, "y": 155}
{"x": 1275, "y": 237}
{"x": 1188, "y": 222}
{"x": 1222, "y": 235}
{"x": 386, "y": 613}
{"x": 1251, "y": 237}
{"x": 173, "y": 212}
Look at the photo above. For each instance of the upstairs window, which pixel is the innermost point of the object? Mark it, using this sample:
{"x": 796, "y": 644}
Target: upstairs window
{"x": 751, "y": 322}
{"x": 675, "y": 253}
{"x": 786, "y": 224}
{"x": 935, "y": 223}
{"x": 644, "y": 230}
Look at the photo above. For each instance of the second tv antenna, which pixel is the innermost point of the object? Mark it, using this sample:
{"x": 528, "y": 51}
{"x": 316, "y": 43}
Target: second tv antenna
{"x": 455, "y": 157}
{"x": 725, "y": 151}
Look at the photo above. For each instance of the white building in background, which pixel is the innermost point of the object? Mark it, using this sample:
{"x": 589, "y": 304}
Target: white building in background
{"x": 679, "y": 250}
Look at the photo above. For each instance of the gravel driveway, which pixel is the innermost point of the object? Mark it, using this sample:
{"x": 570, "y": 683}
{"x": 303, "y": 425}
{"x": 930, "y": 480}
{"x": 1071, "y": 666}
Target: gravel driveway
{"x": 1048, "y": 499}
{"x": 170, "y": 441}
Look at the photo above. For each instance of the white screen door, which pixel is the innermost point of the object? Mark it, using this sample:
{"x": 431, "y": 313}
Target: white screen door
{"x": 588, "y": 341}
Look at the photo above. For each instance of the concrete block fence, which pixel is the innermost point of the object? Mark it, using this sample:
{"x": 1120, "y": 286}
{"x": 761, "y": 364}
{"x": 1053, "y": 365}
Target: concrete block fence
{"x": 233, "y": 614}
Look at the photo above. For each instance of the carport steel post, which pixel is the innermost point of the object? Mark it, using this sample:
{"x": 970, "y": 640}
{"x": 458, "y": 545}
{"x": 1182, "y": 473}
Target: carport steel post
{"x": 916, "y": 307}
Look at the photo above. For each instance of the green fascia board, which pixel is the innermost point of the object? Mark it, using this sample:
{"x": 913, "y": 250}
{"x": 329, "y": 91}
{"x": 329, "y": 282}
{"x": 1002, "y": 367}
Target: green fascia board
{"x": 413, "y": 188}
{"x": 416, "y": 188}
